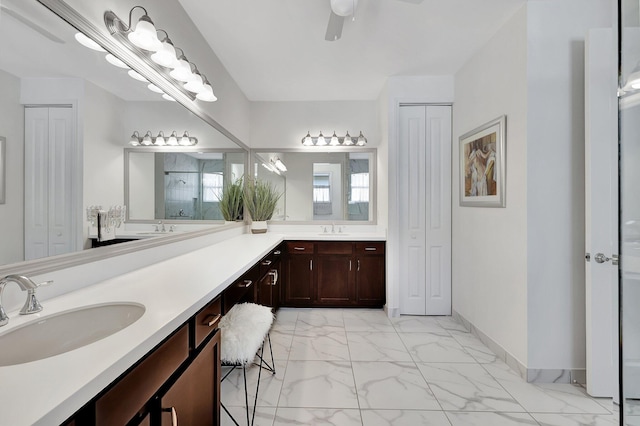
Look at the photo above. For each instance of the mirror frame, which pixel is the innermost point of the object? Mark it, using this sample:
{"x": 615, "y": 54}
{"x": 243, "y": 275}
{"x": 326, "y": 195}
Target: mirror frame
{"x": 142, "y": 66}
{"x": 373, "y": 220}
{"x": 128, "y": 151}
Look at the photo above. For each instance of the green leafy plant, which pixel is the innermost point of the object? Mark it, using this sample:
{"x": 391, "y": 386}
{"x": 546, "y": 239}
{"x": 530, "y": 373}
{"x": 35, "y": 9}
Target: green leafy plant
{"x": 232, "y": 200}
{"x": 261, "y": 198}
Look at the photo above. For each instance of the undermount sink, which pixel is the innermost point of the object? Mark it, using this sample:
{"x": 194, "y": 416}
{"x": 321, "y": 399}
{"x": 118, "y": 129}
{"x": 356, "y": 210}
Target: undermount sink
{"x": 65, "y": 331}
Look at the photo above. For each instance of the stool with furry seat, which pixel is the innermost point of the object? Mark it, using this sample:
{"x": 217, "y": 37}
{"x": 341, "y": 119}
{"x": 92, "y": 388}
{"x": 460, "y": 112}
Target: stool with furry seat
{"x": 243, "y": 332}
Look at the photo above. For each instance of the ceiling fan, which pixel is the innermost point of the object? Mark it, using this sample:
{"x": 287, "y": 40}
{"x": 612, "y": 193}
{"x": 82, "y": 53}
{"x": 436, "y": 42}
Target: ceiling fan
{"x": 340, "y": 9}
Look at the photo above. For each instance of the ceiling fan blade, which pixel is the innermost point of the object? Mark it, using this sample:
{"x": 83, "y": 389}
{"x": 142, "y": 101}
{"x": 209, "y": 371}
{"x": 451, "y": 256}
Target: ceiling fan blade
{"x": 334, "y": 28}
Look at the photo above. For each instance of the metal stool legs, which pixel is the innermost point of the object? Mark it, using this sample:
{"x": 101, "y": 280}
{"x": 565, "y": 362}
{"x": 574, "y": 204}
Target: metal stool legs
{"x": 263, "y": 364}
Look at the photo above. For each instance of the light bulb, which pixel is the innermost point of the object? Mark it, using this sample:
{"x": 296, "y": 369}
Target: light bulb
{"x": 182, "y": 71}
{"x": 136, "y": 75}
{"x": 87, "y": 42}
{"x": 184, "y": 140}
{"x": 148, "y": 139}
{"x": 334, "y": 140}
{"x": 207, "y": 93}
{"x": 321, "y": 140}
{"x": 173, "y": 139}
{"x": 160, "y": 140}
{"x": 307, "y": 140}
{"x": 115, "y": 61}
{"x": 145, "y": 36}
{"x": 166, "y": 55}
{"x": 154, "y": 88}
{"x": 347, "y": 140}
{"x": 362, "y": 141}
{"x": 135, "y": 139}
{"x": 195, "y": 85}
{"x": 167, "y": 97}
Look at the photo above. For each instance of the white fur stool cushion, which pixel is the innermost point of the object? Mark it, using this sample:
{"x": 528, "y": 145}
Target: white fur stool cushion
{"x": 244, "y": 328}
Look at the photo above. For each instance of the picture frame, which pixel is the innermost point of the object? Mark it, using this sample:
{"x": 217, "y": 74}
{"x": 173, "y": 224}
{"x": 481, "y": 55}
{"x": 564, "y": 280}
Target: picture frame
{"x": 3, "y": 165}
{"x": 483, "y": 165}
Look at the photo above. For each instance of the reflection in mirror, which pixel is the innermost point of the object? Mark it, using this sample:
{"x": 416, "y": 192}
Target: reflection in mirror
{"x": 102, "y": 104}
{"x": 181, "y": 185}
{"x": 322, "y": 186}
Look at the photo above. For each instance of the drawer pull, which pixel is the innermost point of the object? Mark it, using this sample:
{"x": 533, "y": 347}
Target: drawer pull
{"x": 358, "y": 269}
{"x": 245, "y": 283}
{"x": 274, "y": 276}
{"x": 277, "y": 252}
{"x": 370, "y": 249}
{"x": 174, "y": 415}
{"x": 299, "y": 248}
{"x": 349, "y": 264}
{"x": 311, "y": 264}
{"x": 211, "y": 320}
{"x": 267, "y": 262}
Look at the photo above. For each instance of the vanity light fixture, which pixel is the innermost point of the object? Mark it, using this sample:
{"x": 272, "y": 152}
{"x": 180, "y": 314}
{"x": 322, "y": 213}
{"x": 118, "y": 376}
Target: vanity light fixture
{"x": 271, "y": 167}
{"x": 167, "y": 97}
{"x": 334, "y": 141}
{"x": 633, "y": 80}
{"x": 162, "y": 140}
{"x": 136, "y": 76}
{"x": 142, "y": 39}
{"x": 278, "y": 164}
{"x": 155, "y": 88}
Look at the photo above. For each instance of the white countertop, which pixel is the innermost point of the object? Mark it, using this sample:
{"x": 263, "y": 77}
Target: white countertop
{"x": 48, "y": 391}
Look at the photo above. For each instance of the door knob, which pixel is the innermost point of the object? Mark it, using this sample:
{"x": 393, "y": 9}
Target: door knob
{"x": 601, "y": 258}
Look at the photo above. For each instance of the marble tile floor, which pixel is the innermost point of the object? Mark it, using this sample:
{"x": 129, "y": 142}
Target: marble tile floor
{"x": 347, "y": 367}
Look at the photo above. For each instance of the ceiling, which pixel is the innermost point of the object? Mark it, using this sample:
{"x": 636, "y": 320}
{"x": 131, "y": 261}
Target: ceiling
{"x": 276, "y": 51}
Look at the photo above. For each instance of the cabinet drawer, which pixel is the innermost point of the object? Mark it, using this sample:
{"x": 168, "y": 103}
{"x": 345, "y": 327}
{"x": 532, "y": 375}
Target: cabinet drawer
{"x": 370, "y": 248}
{"x": 207, "y": 320}
{"x": 334, "y": 248}
{"x": 122, "y": 402}
{"x": 300, "y": 247}
{"x": 241, "y": 289}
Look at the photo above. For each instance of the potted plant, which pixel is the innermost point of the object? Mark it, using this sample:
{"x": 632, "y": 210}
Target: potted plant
{"x": 232, "y": 200}
{"x": 261, "y": 198}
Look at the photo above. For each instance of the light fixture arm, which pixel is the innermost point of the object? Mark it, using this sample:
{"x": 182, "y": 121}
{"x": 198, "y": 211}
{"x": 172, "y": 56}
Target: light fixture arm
{"x": 127, "y": 27}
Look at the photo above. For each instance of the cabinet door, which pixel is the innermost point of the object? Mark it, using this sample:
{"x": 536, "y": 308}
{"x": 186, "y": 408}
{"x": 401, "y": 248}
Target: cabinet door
{"x": 269, "y": 286}
{"x": 298, "y": 284}
{"x": 370, "y": 280}
{"x": 334, "y": 280}
{"x": 194, "y": 398}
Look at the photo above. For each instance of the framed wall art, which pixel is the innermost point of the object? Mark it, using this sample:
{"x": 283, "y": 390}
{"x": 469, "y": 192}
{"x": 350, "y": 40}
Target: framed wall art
{"x": 482, "y": 165}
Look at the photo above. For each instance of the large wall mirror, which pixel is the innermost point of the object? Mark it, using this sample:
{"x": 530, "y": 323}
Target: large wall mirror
{"x": 321, "y": 186}
{"x": 52, "y": 85}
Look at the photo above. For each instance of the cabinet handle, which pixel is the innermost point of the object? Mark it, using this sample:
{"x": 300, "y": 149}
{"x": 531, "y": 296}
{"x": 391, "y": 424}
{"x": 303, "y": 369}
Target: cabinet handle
{"x": 266, "y": 262}
{"x": 174, "y": 415}
{"x": 245, "y": 283}
{"x": 349, "y": 264}
{"x": 299, "y": 248}
{"x": 370, "y": 249}
{"x": 358, "y": 265}
{"x": 211, "y": 320}
{"x": 274, "y": 275}
{"x": 277, "y": 252}
{"x": 311, "y": 264}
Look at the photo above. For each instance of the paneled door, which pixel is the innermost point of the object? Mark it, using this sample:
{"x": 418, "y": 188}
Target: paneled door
{"x": 424, "y": 184}
{"x": 49, "y": 226}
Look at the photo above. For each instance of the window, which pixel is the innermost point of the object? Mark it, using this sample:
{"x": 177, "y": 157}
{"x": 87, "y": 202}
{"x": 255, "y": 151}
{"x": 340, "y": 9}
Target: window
{"x": 359, "y": 188}
{"x": 321, "y": 188}
{"x": 212, "y": 184}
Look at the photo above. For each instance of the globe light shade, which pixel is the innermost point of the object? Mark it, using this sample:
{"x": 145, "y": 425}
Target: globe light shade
{"x": 166, "y": 55}
{"x": 207, "y": 94}
{"x": 87, "y": 42}
{"x": 145, "y": 36}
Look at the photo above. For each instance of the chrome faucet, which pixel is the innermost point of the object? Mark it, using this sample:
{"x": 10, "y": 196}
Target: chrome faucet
{"x": 333, "y": 227}
{"x": 158, "y": 229}
{"x": 31, "y": 305}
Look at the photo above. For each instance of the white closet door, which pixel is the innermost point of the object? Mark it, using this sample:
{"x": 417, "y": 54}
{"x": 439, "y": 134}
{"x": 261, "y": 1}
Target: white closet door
{"x": 49, "y": 142}
{"x": 424, "y": 181}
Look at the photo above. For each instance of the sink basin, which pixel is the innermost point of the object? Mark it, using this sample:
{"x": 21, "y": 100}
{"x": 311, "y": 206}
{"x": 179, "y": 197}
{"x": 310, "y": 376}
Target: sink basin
{"x": 65, "y": 331}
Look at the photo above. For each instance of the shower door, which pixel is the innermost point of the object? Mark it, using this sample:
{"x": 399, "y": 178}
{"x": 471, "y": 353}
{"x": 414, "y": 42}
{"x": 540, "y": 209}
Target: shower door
{"x": 629, "y": 119}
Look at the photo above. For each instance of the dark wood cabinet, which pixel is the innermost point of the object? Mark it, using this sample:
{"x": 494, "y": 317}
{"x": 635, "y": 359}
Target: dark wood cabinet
{"x": 270, "y": 282}
{"x": 193, "y": 399}
{"x": 332, "y": 273}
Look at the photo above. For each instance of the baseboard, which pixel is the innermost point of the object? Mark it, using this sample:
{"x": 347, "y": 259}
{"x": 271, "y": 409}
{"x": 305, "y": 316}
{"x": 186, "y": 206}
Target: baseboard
{"x": 531, "y": 375}
{"x": 392, "y": 312}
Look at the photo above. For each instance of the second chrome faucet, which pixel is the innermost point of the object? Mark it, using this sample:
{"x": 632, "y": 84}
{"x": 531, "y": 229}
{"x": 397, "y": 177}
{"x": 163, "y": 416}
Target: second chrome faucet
{"x": 31, "y": 305}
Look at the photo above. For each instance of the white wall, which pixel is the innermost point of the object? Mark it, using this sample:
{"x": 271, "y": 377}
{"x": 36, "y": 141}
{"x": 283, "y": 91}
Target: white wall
{"x": 489, "y": 251}
{"x": 12, "y": 211}
{"x": 555, "y": 181}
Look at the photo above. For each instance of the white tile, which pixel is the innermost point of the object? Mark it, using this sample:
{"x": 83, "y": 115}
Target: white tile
{"x": 367, "y": 320}
{"x": 392, "y": 385}
{"x": 376, "y": 346}
{"x": 280, "y": 343}
{"x": 319, "y": 318}
{"x": 327, "y": 347}
{"x": 501, "y": 371}
{"x": 434, "y": 347}
{"x": 417, "y": 324}
{"x": 285, "y": 319}
{"x": 490, "y": 419}
{"x": 318, "y": 384}
{"x": 478, "y": 350}
{"x": 575, "y": 419}
{"x": 264, "y": 416}
{"x": 467, "y": 387}
{"x": 232, "y": 388}
{"x": 553, "y": 398}
{"x": 317, "y": 417}
{"x": 404, "y": 418}
{"x": 448, "y": 323}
